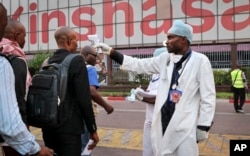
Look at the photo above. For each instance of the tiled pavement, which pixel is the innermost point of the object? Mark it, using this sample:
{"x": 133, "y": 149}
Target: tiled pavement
{"x": 216, "y": 145}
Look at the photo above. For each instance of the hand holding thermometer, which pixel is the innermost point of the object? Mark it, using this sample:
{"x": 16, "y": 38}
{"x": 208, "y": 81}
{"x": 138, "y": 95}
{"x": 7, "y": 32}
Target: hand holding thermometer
{"x": 94, "y": 39}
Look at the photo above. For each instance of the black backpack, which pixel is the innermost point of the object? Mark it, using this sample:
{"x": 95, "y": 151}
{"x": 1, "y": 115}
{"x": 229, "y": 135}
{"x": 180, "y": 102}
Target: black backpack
{"x": 47, "y": 94}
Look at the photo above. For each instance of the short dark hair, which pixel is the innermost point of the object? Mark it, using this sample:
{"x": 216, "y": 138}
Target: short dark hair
{"x": 239, "y": 66}
{"x": 4, "y": 9}
{"x": 3, "y": 21}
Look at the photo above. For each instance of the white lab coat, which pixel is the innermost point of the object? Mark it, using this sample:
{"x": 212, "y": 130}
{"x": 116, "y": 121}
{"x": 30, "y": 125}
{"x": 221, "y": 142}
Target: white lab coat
{"x": 196, "y": 105}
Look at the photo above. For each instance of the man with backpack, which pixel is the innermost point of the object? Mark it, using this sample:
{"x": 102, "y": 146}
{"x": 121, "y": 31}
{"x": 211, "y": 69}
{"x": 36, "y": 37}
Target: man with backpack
{"x": 65, "y": 140}
{"x": 12, "y": 128}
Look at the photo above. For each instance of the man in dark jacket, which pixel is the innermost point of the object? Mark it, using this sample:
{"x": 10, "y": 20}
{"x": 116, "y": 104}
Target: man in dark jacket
{"x": 66, "y": 139}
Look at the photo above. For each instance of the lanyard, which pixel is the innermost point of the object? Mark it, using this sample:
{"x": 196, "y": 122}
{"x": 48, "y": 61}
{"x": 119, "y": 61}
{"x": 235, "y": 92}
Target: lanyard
{"x": 175, "y": 71}
{"x": 153, "y": 80}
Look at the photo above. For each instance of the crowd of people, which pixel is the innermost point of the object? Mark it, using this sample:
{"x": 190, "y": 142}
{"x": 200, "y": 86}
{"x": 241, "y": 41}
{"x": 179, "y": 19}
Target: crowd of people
{"x": 179, "y": 114}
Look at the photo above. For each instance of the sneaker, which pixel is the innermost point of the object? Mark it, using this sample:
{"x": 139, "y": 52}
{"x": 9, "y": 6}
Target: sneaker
{"x": 240, "y": 111}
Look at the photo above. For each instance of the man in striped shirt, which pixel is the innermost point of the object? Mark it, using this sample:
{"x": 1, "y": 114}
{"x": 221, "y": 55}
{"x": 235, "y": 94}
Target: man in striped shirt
{"x": 12, "y": 128}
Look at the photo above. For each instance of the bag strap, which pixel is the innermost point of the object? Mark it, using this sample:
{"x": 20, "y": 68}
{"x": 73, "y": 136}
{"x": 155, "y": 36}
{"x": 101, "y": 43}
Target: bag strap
{"x": 5, "y": 57}
{"x": 235, "y": 77}
{"x": 68, "y": 59}
{"x": 10, "y": 58}
{"x": 64, "y": 75}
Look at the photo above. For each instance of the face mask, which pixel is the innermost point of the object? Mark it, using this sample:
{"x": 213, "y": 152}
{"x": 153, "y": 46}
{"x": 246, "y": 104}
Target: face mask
{"x": 176, "y": 58}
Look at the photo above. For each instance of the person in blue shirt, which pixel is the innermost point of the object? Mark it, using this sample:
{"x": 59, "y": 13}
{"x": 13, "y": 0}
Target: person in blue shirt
{"x": 90, "y": 55}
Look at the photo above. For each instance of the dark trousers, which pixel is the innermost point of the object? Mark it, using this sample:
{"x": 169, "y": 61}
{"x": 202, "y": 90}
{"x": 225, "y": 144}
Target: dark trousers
{"x": 239, "y": 93}
{"x": 63, "y": 144}
{"x": 9, "y": 151}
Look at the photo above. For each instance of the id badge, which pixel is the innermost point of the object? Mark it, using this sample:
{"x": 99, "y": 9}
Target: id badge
{"x": 175, "y": 95}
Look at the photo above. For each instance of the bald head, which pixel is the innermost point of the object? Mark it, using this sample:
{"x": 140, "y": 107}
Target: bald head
{"x": 12, "y": 27}
{"x": 66, "y": 38}
{"x": 15, "y": 31}
{"x": 3, "y": 21}
{"x": 89, "y": 54}
{"x": 86, "y": 50}
{"x": 63, "y": 33}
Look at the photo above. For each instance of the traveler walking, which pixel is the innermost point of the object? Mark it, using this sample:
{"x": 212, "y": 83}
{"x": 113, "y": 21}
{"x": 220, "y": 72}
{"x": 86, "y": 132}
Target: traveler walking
{"x": 89, "y": 54}
{"x": 12, "y": 129}
{"x": 11, "y": 46}
{"x": 66, "y": 139}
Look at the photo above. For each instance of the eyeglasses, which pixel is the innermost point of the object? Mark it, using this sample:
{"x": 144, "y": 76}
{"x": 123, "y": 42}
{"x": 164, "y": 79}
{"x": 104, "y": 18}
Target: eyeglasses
{"x": 95, "y": 55}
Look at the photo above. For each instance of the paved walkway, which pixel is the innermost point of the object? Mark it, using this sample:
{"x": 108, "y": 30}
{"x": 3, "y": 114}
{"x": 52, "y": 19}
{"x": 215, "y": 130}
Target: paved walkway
{"x": 216, "y": 145}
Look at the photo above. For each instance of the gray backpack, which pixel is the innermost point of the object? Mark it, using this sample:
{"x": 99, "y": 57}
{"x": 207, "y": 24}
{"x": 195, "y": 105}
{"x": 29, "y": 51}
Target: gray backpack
{"x": 47, "y": 94}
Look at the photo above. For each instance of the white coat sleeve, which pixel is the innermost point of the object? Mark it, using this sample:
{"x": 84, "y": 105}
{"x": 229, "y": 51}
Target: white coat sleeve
{"x": 207, "y": 93}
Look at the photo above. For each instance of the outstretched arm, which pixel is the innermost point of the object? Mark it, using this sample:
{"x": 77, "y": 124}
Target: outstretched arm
{"x": 149, "y": 100}
{"x": 99, "y": 100}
